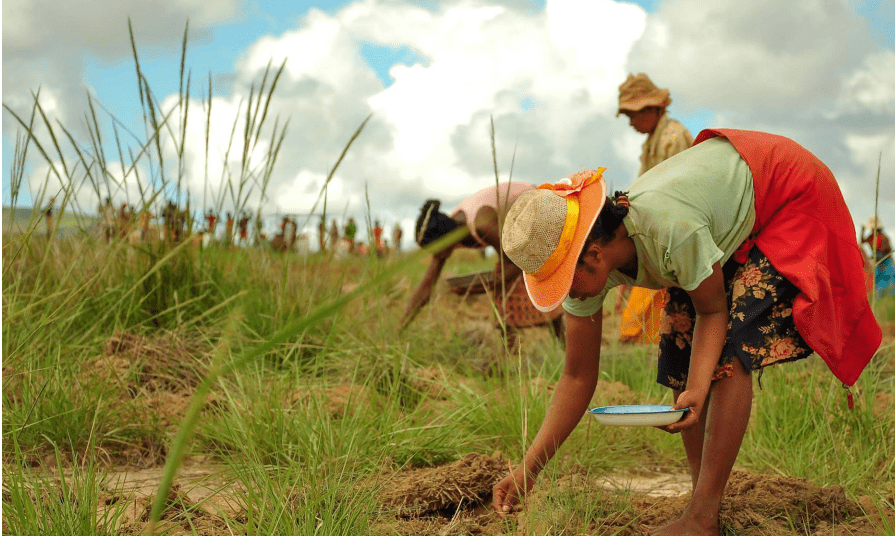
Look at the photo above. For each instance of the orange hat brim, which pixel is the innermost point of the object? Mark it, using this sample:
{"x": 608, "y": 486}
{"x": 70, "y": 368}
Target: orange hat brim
{"x": 548, "y": 294}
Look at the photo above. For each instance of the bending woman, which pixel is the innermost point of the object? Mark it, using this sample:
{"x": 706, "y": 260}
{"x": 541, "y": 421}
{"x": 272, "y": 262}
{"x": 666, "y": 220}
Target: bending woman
{"x": 751, "y": 235}
{"x": 479, "y": 213}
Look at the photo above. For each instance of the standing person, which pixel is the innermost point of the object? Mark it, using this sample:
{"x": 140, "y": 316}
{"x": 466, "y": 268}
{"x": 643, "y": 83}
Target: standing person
{"x": 169, "y": 217}
{"x": 645, "y": 105}
{"x": 333, "y": 235}
{"x": 751, "y": 234}
{"x": 228, "y": 228}
{"x": 482, "y": 214}
{"x": 880, "y": 256}
{"x": 377, "y": 238}
{"x": 321, "y": 234}
{"x": 108, "y": 211}
{"x": 212, "y": 220}
{"x": 145, "y": 217}
{"x": 396, "y": 236}
{"x": 243, "y": 225}
{"x": 350, "y": 232}
{"x": 279, "y": 240}
{"x": 179, "y": 224}
{"x": 125, "y": 215}
{"x": 292, "y": 225}
{"x": 48, "y": 215}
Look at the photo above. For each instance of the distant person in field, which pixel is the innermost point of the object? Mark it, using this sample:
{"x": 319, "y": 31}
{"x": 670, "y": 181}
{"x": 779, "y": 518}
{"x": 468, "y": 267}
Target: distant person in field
{"x": 333, "y": 235}
{"x": 751, "y": 236}
{"x": 350, "y": 233}
{"x": 108, "y": 213}
{"x": 125, "y": 217}
{"x": 48, "y": 216}
{"x": 645, "y": 106}
{"x": 285, "y": 239}
{"x": 243, "y": 226}
{"x": 479, "y": 214}
{"x": 212, "y": 219}
{"x": 291, "y": 233}
{"x": 377, "y": 237}
{"x": 397, "y": 234}
{"x": 169, "y": 218}
{"x": 321, "y": 234}
{"x": 228, "y": 228}
{"x": 880, "y": 250}
{"x": 145, "y": 217}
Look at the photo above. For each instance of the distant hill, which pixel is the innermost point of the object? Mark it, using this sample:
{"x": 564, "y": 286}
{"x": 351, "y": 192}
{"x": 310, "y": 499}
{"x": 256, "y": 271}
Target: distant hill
{"x": 17, "y": 220}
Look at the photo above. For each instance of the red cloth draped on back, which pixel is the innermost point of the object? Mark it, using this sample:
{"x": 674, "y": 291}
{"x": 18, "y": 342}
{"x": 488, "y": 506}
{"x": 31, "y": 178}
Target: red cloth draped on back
{"x": 805, "y": 229}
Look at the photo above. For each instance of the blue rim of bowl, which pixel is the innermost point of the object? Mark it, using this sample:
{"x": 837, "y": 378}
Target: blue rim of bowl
{"x": 604, "y": 410}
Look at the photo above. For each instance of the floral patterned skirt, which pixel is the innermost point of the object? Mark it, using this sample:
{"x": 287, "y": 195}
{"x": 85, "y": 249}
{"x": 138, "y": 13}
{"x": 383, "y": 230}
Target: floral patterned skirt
{"x": 761, "y": 331}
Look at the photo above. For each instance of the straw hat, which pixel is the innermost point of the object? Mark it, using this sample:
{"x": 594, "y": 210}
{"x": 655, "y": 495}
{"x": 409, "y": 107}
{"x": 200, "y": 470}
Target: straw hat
{"x": 638, "y": 92}
{"x": 545, "y": 231}
{"x": 874, "y": 223}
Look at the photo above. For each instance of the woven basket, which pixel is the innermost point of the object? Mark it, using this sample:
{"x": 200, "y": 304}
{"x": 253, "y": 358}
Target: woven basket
{"x": 473, "y": 283}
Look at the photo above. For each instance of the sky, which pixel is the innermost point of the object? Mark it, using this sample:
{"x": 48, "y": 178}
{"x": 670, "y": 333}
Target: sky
{"x": 432, "y": 76}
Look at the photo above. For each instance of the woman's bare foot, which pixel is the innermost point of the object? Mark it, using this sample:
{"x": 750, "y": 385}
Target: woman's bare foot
{"x": 685, "y": 527}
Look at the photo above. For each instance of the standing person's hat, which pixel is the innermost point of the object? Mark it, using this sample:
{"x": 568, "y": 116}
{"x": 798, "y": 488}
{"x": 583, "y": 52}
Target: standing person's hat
{"x": 545, "y": 231}
{"x": 874, "y": 223}
{"x": 638, "y": 92}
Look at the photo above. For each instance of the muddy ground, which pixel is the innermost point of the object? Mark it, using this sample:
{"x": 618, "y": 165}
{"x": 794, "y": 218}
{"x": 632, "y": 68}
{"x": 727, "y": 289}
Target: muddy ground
{"x": 454, "y": 498}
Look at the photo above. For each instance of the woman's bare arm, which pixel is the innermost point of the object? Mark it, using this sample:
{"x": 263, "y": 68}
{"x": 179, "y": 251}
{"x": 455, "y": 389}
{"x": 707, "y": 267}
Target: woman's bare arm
{"x": 423, "y": 292}
{"x": 709, "y": 334}
{"x": 570, "y": 400}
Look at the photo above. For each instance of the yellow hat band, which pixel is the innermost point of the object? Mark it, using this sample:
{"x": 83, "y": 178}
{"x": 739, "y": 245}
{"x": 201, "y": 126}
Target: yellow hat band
{"x": 567, "y": 236}
{"x": 565, "y": 241}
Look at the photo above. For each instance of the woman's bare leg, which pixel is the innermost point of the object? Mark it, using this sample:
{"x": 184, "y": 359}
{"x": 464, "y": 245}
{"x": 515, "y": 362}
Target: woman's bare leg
{"x": 693, "y": 441}
{"x": 725, "y": 425}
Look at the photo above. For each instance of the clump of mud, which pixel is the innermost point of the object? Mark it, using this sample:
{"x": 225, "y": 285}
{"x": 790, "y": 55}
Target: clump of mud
{"x": 751, "y": 498}
{"x": 466, "y": 482}
{"x": 153, "y": 378}
{"x": 754, "y": 503}
{"x": 453, "y": 499}
{"x": 167, "y": 361}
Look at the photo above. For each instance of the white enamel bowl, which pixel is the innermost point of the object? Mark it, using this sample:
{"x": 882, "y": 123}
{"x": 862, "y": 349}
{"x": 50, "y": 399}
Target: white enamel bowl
{"x": 638, "y": 415}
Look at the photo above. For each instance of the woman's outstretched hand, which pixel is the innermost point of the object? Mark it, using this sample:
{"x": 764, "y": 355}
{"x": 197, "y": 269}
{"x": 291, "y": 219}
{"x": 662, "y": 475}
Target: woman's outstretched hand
{"x": 694, "y": 399}
{"x": 508, "y": 493}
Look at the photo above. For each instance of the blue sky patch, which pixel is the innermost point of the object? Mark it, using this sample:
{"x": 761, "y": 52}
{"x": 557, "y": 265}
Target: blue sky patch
{"x": 881, "y": 16}
{"x": 695, "y": 121}
{"x": 382, "y": 57}
{"x": 527, "y": 103}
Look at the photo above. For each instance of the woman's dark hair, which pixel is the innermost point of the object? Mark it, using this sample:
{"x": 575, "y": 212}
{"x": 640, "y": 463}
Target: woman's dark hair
{"x": 432, "y": 224}
{"x": 614, "y": 211}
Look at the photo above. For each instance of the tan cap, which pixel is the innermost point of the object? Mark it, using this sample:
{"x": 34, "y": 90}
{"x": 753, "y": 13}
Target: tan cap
{"x": 638, "y": 92}
{"x": 874, "y": 223}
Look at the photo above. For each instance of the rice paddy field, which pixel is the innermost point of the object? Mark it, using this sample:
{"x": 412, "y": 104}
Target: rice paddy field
{"x": 169, "y": 389}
